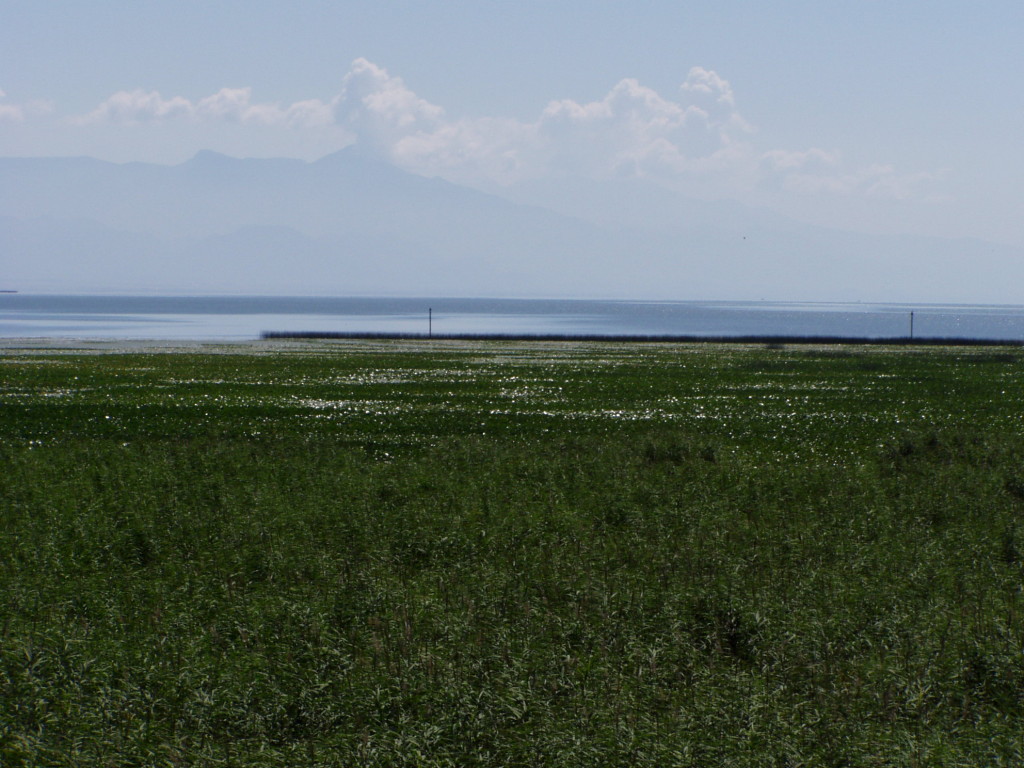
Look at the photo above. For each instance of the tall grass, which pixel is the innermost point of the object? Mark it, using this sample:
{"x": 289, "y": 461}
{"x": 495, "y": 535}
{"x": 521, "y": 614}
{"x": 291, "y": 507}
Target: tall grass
{"x": 512, "y": 554}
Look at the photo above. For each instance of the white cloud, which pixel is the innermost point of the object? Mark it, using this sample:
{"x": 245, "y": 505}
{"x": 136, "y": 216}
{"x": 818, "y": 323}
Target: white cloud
{"x": 468, "y": 150}
{"x": 227, "y": 105}
{"x": 633, "y": 130}
{"x": 387, "y": 116}
{"x": 11, "y": 113}
{"x": 630, "y": 128}
{"x": 381, "y": 110}
{"x": 636, "y": 131}
{"x": 708, "y": 90}
{"x": 131, "y": 107}
{"x": 17, "y": 113}
{"x": 815, "y": 171}
{"x": 308, "y": 114}
{"x": 784, "y": 161}
{"x": 696, "y": 139}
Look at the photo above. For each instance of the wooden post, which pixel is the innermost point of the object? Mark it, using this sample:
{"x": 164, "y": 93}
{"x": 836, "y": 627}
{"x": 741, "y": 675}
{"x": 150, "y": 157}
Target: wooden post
{"x": 911, "y": 325}
{"x": 430, "y": 323}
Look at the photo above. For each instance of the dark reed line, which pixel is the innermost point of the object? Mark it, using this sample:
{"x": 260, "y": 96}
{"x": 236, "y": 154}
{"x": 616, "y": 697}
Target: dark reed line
{"x": 663, "y": 338}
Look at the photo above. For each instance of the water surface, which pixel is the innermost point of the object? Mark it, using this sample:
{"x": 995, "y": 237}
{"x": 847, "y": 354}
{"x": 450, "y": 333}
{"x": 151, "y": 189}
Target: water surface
{"x": 239, "y": 318}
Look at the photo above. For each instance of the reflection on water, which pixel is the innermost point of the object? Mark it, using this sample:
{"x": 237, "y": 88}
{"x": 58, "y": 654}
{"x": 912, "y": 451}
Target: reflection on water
{"x": 245, "y": 318}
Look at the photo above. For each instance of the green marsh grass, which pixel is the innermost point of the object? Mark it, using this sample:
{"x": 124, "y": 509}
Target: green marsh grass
{"x": 512, "y": 554}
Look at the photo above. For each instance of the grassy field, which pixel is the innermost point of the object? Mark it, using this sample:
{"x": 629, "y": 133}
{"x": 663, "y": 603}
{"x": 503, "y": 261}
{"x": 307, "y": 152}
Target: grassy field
{"x": 512, "y": 554}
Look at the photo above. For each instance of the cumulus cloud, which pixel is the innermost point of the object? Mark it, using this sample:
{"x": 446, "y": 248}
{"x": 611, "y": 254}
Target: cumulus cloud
{"x": 388, "y": 117}
{"x": 694, "y": 138}
{"x": 227, "y": 105}
{"x": 815, "y": 171}
{"x": 708, "y": 87}
{"x": 17, "y": 113}
{"x": 633, "y": 130}
{"x": 130, "y": 107}
{"x": 381, "y": 109}
{"x": 639, "y": 132}
{"x": 9, "y": 111}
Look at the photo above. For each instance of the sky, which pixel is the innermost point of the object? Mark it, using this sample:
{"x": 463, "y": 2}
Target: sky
{"x": 866, "y": 115}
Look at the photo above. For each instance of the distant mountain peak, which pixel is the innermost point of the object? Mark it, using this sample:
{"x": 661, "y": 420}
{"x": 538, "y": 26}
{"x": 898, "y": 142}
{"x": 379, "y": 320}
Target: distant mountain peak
{"x": 352, "y": 152}
{"x": 353, "y": 222}
{"x": 355, "y": 156}
{"x": 208, "y": 156}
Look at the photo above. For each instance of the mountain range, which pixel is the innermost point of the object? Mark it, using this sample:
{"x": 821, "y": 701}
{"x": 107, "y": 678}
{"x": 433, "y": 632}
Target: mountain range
{"x": 352, "y": 224}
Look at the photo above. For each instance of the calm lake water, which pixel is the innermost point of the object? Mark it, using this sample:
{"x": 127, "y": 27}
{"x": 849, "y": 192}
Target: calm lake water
{"x": 238, "y": 318}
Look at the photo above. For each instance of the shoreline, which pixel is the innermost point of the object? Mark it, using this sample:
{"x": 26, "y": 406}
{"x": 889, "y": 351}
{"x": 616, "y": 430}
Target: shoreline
{"x": 270, "y": 341}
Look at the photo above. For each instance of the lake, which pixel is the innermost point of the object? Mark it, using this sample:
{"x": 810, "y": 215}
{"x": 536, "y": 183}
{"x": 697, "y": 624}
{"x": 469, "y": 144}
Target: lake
{"x": 240, "y": 318}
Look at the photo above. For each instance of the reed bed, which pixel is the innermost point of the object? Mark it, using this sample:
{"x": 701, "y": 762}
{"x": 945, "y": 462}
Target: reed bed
{"x": 400, "y": 553}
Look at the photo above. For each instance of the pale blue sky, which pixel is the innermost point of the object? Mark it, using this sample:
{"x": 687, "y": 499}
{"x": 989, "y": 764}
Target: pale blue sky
{"x": 885, "y": 116}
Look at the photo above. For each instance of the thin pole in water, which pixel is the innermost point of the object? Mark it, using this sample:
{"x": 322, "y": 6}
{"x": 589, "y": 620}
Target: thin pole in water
{"x": 911, "y": 325}
{"x": 430, "y": 322}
